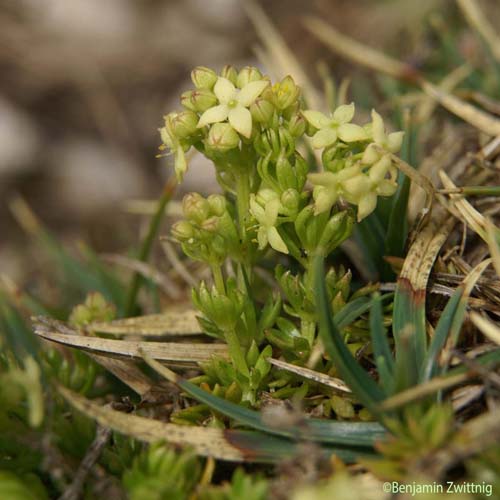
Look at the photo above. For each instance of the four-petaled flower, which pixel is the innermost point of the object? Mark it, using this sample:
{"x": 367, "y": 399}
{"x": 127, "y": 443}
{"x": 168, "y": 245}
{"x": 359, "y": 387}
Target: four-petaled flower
{"x": 233, "y": 105}
{"x": 335, "y": 127}
{"x": 267, "y": 217}
{"x": 389, "y": 142}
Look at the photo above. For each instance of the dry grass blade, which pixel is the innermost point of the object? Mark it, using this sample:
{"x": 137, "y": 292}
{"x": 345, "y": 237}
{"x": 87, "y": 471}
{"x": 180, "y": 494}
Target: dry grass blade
{"x": 463, "y": 209}
{"x": 321, "y": 378}
{"x": 358, "y": 52}
{"x": 205, "y": 441}
{"x": 147, "y": 271}
{"x": 280, "y": 54}
{"x": 424, "y": 250}
{"x": 163, "y": 351}
{"x": 487, "y": 327}
{"x": 422, "y": 390}
{"x": 128, "y": 373}
{"x": 376, "y": 60}
{"x": 447, "y": 84}
{"x": 493, "y": 245}
{"x": 166, "y": 324}
{"x": 480, "y": 23}
{"x": 479, "y": 119}
{"x": 418, "y": 179}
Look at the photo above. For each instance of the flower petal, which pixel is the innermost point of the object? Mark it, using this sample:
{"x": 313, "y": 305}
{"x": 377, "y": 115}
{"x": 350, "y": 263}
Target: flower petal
{"x": 394, "y": 141}
{"x": 349, "y": 132}
{"x": 323, "y": 179}
{"x": 357, "y": 186}
{"x": 378, "y": 128}
{"x": 241, "y": 120}
{"x": 262, "y": 237}
{"x": 344, "y": 113}
{"x": 371, "y": 155}
{"x": 386, "y": 188}
{"x": 324, "y": 137}
{"x": 379, "y": 169}
{"x": 250, "y": 92}
{"x": 256, "y": 210}
{"x": 276, "y": 241}
{"x": 317, "y": 119}
{"x": 324, "y": 199}
{"x": 213, "y": 115}
{"x": 180, "y": 164}
{"x": 272, "y": 208}
{"x": 366, "y": 206}
{"x": 224, "y": 90}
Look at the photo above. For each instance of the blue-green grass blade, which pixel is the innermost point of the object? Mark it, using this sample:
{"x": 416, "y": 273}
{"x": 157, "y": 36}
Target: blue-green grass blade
{"x": 381, "y": 348}
{"x": 355, "y": 434}
{"x": 361, "y": 384}
{"x": 443, "y": 329}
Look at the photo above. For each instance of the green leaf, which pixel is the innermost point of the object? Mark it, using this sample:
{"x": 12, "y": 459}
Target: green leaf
{"x": 341, "y": 433}
{"x": 381, "y": 349}
{"x": 409, "y": 333}
{"x": 361, "y": 384}
{"x": 443, "y": 328}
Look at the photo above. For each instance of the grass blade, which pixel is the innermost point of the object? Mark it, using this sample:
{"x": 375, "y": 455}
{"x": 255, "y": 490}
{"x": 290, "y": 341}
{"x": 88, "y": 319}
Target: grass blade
{"x": 381, "y": 349}
{"x": 147, "y": 244}
{"x": 362, "y": 434}
{"x": 361, "y": 384}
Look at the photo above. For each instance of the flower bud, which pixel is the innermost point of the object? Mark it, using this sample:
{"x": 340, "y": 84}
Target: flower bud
{"x": 186, "y": 100}
{"x": 198, "y": 100}
{"x": 222, "y": 137}
{"x": 297, "y": 125}
{"x": 217, "y": 204}
{"x": 195, "y": 207}
{"x": 248, "y": 74}
{"x": 286, "y": 93}
{"x": 166, "y": 137}
{"x": 230, "y": 73}
{"x": 284, "y": 173}
{"x": 184, "y": 123}
{"x": 290, "y": 200}
{"x": 262, "y": 111}
{"x": 211, "y": 224}
{"x": 203, "y": 77}
{"x": 182, "y": 230}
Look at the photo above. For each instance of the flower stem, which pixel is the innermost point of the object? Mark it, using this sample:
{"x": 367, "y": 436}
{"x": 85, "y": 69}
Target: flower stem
{"x": 218, "y": 278}
{"x": 242, "y": 199}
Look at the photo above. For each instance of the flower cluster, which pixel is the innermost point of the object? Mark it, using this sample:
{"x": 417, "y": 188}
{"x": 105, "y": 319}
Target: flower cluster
{"x": 276, "y": 203}
{"x": 357, "y": 175}
{"x": 208, "y": 232}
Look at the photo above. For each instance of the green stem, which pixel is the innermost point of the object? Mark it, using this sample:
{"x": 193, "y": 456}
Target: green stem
{"x": 145, "y": 250}
{"x": 242, "y": 199}
{"x": 218, "y": 278}
{"x": 236, "y": 352}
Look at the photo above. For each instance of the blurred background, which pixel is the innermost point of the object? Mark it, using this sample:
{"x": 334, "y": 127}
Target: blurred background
{"x": 84, "y": 85}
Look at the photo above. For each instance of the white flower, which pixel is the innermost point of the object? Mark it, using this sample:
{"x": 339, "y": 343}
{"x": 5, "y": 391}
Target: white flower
{"x": 335, "y": 127}
{"x": 267, "y": 217}
{"x": 233, "y": 105}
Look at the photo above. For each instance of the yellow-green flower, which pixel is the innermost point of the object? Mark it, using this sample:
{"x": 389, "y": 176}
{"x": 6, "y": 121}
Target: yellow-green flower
{"x": 354, "y": 186}
{"x": 335, "y": 127}
{"x": 173, "y": 143}
{"x": 389, "y": 142}
{"x": 328, "y": 187}
{"x": 233, "y": 105}
{"x": 265, "y": 207}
